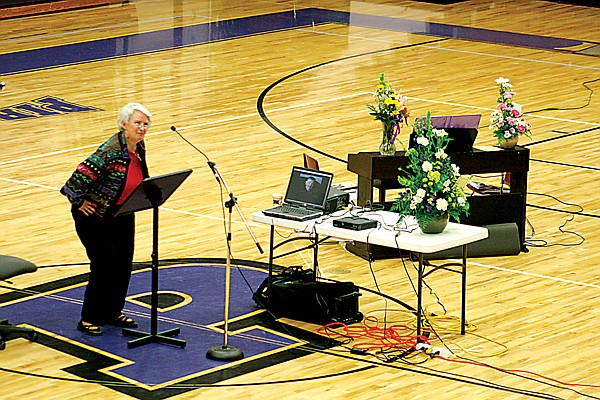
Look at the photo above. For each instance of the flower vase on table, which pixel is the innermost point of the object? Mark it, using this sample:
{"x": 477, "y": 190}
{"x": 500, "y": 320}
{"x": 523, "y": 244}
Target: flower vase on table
{"x": 507, "y": 120}
{"x": 387, "y": 146}
{"x": 390, "y": 108}
{"x": 509, "y": 144}
{"x": 436, "y": 226}
{"x": 433, "y": 189}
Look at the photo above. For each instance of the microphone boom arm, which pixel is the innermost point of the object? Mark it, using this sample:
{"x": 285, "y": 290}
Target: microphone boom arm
{"x": 220, "y": 179}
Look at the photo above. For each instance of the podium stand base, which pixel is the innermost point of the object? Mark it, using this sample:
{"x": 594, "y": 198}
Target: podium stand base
{"x": 161, "y": 337}
{"x": 224, "y": 353}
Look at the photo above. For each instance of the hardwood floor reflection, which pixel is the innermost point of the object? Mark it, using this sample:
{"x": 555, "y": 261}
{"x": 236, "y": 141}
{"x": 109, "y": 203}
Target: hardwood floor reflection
{"x": 253, "y": 100}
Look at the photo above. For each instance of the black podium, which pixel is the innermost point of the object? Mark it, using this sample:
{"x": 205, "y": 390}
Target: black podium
{"x": 152, "y": 193}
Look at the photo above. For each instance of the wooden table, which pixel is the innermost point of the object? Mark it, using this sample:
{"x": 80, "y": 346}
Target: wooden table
{"x": 381, "y": 172}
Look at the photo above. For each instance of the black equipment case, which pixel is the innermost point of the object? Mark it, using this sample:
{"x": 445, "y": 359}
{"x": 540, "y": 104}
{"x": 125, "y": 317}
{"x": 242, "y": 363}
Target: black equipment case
{"x": 297, "y": 295}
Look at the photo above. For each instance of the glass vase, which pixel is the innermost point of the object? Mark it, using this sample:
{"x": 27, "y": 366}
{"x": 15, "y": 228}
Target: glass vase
{"x": 387, "y": 146}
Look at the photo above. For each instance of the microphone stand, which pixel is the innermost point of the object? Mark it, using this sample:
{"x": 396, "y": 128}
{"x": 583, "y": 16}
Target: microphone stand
{"x": 226, "y": 352}
{"x": 220, "y": 179}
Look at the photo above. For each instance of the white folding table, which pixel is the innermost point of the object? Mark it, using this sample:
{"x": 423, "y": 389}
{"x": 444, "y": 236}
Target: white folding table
{"x": 386, "y": 235}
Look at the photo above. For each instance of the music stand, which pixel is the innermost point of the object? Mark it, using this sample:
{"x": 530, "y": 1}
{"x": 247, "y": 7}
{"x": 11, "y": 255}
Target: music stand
{"x": 152, "y": 193}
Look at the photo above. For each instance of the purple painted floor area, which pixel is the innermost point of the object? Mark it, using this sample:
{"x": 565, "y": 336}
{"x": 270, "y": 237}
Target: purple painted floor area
{"x": 157, "y": 363}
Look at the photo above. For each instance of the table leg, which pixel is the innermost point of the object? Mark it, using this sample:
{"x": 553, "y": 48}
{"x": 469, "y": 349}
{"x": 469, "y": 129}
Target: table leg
{"x": 316, "y": 255}
{"x": 364, "y": 191}
{"x": 463, "y": 315}
{"x": 419, "y": 293}
{"x": 270, "y": 276}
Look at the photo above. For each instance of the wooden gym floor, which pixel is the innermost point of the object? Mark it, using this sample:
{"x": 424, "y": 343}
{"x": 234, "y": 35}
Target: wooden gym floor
{"x": 253, "y": 100}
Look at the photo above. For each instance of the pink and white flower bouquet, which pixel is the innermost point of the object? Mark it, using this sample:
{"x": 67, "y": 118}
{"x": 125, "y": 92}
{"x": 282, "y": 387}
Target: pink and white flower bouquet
{"x": 507, "y": 121}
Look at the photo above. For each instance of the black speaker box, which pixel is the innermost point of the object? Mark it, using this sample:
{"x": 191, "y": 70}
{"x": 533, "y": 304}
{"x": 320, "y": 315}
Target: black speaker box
{"x": 502, "y": 240}
{"x": 298, "y": 296}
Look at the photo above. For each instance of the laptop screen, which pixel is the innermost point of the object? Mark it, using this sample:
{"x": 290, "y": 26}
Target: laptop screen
{"x": 308, "y": 187}
{"x": 462, "y": 129}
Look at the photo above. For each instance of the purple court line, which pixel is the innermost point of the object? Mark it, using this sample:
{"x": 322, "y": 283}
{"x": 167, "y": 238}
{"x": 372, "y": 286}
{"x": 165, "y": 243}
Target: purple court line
{"x": 166, "y": 39}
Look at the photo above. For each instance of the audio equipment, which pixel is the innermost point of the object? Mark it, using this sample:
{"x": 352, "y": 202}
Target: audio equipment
{"x": 336, "y": 200}
{"x": 355, "y": 223}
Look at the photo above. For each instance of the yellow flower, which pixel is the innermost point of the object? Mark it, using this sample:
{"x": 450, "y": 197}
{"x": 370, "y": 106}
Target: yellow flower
{"x": 434, "y": 176}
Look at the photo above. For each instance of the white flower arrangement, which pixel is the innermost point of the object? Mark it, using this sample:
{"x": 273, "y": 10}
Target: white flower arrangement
{"x": 433, "y": 185}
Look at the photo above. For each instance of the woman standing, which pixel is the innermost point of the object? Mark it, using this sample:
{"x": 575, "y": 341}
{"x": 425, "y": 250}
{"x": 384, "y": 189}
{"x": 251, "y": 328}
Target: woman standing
{"x": 97, "y": 186}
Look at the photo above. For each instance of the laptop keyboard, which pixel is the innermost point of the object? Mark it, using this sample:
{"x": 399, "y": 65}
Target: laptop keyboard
{"x": 295, "y": 210}
{"x": 288, "y": 211}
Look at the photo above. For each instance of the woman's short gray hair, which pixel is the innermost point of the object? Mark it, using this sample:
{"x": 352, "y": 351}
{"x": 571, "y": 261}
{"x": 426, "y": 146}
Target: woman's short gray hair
{"x": 127, "y": 111}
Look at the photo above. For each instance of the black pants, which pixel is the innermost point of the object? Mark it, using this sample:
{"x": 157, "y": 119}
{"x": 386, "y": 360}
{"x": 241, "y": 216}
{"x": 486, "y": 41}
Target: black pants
{"x": 109, "y": 243}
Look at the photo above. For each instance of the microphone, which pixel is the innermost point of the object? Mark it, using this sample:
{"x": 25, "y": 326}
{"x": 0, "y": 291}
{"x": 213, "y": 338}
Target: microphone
{"x": 221, "y": 181}
{"x": 191, "y": 144}
{"x": 211, "y": 164}
{"x": 213, "y": 168}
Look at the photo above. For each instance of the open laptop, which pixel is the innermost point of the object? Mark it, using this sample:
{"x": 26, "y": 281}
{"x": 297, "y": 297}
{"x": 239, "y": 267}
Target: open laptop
{"x": 462, "y": 129}
{"x": 305, "y": 197}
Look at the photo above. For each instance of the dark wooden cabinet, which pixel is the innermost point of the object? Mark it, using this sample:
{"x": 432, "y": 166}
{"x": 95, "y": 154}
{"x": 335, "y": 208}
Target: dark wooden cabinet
{"x": 381, "y": 172}
{"x": 13, "y": 3}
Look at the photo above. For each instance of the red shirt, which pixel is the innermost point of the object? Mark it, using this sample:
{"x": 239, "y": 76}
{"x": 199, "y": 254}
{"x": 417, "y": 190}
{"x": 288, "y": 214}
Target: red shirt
{"x": 133, "y": 179}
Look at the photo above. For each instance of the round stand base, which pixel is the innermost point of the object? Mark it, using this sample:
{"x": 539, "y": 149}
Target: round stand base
{"x": 224, "y": 353}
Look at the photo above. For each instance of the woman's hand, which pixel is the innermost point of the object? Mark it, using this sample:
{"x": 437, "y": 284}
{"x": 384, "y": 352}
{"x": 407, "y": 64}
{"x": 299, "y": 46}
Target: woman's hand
{"x": 88, "y": 208}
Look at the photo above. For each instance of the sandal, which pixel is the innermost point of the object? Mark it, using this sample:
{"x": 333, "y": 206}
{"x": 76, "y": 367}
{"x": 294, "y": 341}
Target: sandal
{"x": 89, "y": 329}
{"x": 124, "y": 322}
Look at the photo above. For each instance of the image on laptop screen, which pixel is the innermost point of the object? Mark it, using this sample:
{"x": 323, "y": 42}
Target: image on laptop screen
{"x": 308, "y": 187}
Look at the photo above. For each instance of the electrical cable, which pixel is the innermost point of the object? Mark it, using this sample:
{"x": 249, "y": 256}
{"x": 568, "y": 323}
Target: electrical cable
{"x": 589, "y": 100}
{"x": 438, "y": 324}
{"x": 183, "y": 385}
{"x": 374, "y": 338}
{"x": 438, "y": 300}
{"x": 62, "y": 265}
{"x": 587, "y": 103}
{"x": 522, "y": 374}
{"x": 224, "y": 214}
{"x": 544, "y": 243}
{"x": 486, "y": 383}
